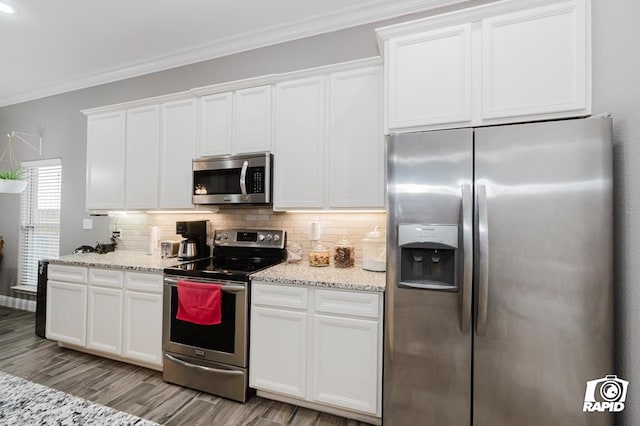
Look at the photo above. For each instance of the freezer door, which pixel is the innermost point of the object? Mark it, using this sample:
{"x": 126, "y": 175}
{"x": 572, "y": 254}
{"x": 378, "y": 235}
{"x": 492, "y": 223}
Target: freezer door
{"x": 544, "y": 272}
{"x": 427, "y": 361}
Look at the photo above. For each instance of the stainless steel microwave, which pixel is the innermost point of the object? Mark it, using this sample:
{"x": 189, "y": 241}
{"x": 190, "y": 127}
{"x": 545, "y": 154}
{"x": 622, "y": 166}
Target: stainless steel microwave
{"x": 233, "y": 179}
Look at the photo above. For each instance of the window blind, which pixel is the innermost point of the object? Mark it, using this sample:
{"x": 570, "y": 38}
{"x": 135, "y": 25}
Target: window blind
{"x": 39, "y": 217}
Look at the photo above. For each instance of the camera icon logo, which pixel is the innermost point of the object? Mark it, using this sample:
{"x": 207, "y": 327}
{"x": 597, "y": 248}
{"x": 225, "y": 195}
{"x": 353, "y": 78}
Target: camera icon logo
{"x": 607, "y": 394}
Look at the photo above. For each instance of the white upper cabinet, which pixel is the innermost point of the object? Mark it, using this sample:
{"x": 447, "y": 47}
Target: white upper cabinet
{"x": 177, "y": 150}
{"x": 252, "y": 120}
{"x": 324, "y": 126}
{"x": 235, "y": 122}
{"x": 329, "y": 141}
{"x": 429, "y": 78}
{"x": 105, "y": 161}
{"x": 298, "y": 180}
{"x": 535, "y": 62}
{"x": 356, "y": 155}
{"x": 503, "y": 62}
{"x": 216, "y": 125}
{"x": 143, "y": 141}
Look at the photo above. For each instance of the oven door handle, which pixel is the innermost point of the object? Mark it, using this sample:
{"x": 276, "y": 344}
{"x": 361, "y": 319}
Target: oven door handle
{"x": 206, "y": 369}
{"x": 224, "y": 287}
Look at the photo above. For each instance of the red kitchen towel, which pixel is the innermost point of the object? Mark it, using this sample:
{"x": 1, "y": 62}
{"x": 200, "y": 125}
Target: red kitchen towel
{"x": 199, "y": 303}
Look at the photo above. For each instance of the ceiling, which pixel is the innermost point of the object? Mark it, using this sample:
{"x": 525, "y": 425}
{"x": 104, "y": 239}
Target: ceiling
{"x": 51, "y": 47}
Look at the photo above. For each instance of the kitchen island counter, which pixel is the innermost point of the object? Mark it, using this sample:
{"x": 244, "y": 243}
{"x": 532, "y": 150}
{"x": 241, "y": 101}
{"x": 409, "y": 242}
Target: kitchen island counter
{"x": 118, "y": 259}
{"x": 354, "y": 278}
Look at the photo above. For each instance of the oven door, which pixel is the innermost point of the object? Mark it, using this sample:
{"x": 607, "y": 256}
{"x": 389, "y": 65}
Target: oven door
{"x": 235, "y": 179}
{"x": 225, "y": 342}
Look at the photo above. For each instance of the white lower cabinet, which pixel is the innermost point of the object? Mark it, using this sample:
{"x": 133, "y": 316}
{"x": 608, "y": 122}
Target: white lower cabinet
{"x": 110, "y": 312}
{"x": 66, "y": 312}
{"x": 279, "y": 351}
{"x": 320, "y": 348}
{"x": 104, "y": 319}
{"x": 345, "y": 362}
{"x": 142, "y": 339}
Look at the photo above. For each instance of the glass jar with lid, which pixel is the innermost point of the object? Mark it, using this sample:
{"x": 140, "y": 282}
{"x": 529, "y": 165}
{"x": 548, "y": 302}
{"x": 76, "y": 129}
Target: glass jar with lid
{"x": 374, "y": 251}
{"x": 345, "y": 253}
{"x": 319, "y": 255}
{"x": 294, "y": 252}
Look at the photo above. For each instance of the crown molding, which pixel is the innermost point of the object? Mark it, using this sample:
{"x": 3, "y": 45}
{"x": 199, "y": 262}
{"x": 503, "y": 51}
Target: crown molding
{"x": 374, "y": 11}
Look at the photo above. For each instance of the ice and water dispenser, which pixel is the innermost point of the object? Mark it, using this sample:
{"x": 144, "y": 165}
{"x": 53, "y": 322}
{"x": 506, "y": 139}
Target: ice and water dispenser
{"x": 428, "y": 256}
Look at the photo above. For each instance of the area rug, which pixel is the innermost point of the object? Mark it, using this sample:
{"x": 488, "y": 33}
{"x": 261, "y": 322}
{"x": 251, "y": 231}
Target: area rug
{"x": 26, "y": 403}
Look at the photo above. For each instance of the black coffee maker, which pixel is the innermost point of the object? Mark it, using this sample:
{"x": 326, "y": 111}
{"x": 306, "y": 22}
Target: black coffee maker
{"x": 194, "y": 246}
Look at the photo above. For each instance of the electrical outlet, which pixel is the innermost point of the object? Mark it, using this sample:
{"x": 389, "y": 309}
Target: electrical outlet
{"x": 116, "y": 234}
{"x": 87, "y": 223}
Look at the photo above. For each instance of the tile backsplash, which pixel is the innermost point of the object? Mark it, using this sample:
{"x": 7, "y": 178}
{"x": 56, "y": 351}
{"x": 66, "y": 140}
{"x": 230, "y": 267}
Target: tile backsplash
{"x": 136, "y": 227}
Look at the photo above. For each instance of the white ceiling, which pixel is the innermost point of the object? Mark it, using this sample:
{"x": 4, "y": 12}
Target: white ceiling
{"x": 51, "y": 47}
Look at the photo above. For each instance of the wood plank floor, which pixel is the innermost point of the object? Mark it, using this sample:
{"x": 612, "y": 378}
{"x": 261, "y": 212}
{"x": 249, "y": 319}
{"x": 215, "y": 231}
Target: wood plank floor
{"x": 135, "y": 390}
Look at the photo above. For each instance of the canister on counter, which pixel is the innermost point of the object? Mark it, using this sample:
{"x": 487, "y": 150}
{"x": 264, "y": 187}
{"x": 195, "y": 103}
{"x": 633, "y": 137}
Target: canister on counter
{"x": 319, "y": 255}
{"x": 345, "y": 253}
{"x": 374, "y": 251}
{"x": 294, "y": 252}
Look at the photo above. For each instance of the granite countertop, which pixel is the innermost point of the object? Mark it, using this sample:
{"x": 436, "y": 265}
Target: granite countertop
{"x": 118, "y": 259}
{"x": 354, "y": 278}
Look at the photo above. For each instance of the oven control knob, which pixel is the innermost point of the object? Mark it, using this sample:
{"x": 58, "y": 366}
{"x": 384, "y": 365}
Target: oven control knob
{"x": 269, "y": 237}
{"x": 276, "y": 237}
{"x": 225, "y": 236}
{"x": 218, "y": 237}
{"x": 261, "y": 237}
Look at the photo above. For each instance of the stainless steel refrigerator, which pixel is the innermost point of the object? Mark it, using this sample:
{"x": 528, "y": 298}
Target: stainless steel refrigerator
{"x": 499, "y": 299}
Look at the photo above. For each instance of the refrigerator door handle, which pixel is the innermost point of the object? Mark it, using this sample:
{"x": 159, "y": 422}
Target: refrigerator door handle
{"x": 467, "y": 259}
{"x": 483, "y": 261}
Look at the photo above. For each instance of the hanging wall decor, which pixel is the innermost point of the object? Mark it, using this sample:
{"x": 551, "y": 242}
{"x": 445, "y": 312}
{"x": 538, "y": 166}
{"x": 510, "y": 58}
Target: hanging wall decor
{"x": 11, "y": 181}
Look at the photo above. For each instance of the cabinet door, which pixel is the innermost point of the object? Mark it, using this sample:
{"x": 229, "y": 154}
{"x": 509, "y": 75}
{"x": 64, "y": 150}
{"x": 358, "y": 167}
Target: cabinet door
{"x": 300, "y": 122}
{"x": 252, "y": 120}
{"x": 142, "y": 330}
{"x": 104, "y": 319}
{"x": 429, "y": 78}
{"x": 66, "y": 312}
{"x": 278, "y": 353}
{"x": 143, "y": 145}
{"x": 177, "y": 150}
{"x": 105, "y": 160}
{"x": 536, "y": 62}
{"x": 216, "y": 115}
{"x": 356, "y": 140}
{"x": 345, "y": 363}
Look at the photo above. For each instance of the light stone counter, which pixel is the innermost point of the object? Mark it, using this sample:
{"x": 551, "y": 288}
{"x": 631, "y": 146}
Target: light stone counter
{"x": 118, "y": 259}
{"x": 354, "y": 278}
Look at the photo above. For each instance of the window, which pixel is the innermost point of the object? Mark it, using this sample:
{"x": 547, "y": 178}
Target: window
{"x": 39, "y": 217}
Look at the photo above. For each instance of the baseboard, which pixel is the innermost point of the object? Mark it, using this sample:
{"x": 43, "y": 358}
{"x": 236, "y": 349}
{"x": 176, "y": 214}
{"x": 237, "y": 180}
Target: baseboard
{"x": 365, "y": 418}
{"x": 15, "y": 303}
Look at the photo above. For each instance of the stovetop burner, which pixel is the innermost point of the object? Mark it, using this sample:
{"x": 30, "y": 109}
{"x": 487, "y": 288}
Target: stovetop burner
{"x": 237, "y": 254}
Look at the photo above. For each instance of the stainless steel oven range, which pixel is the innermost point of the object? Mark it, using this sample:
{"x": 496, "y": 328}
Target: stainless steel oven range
{"x": 215, "y": 358}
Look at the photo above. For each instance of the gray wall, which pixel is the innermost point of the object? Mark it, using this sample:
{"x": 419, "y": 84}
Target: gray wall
{"x": 616, "y": 69}
{"x": 616, "y": 88}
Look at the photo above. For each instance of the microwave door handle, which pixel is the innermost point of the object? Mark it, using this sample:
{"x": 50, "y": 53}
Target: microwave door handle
{"x": 243, "y": 180}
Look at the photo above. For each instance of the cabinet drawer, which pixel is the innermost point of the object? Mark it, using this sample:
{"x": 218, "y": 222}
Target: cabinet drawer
{"x": 280, "y": 296}
{"x": 151, "y": 283}
{"x": 105, "y": 277}
{"x": 65, "y": 273}
{"x": 347, "y": 303}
